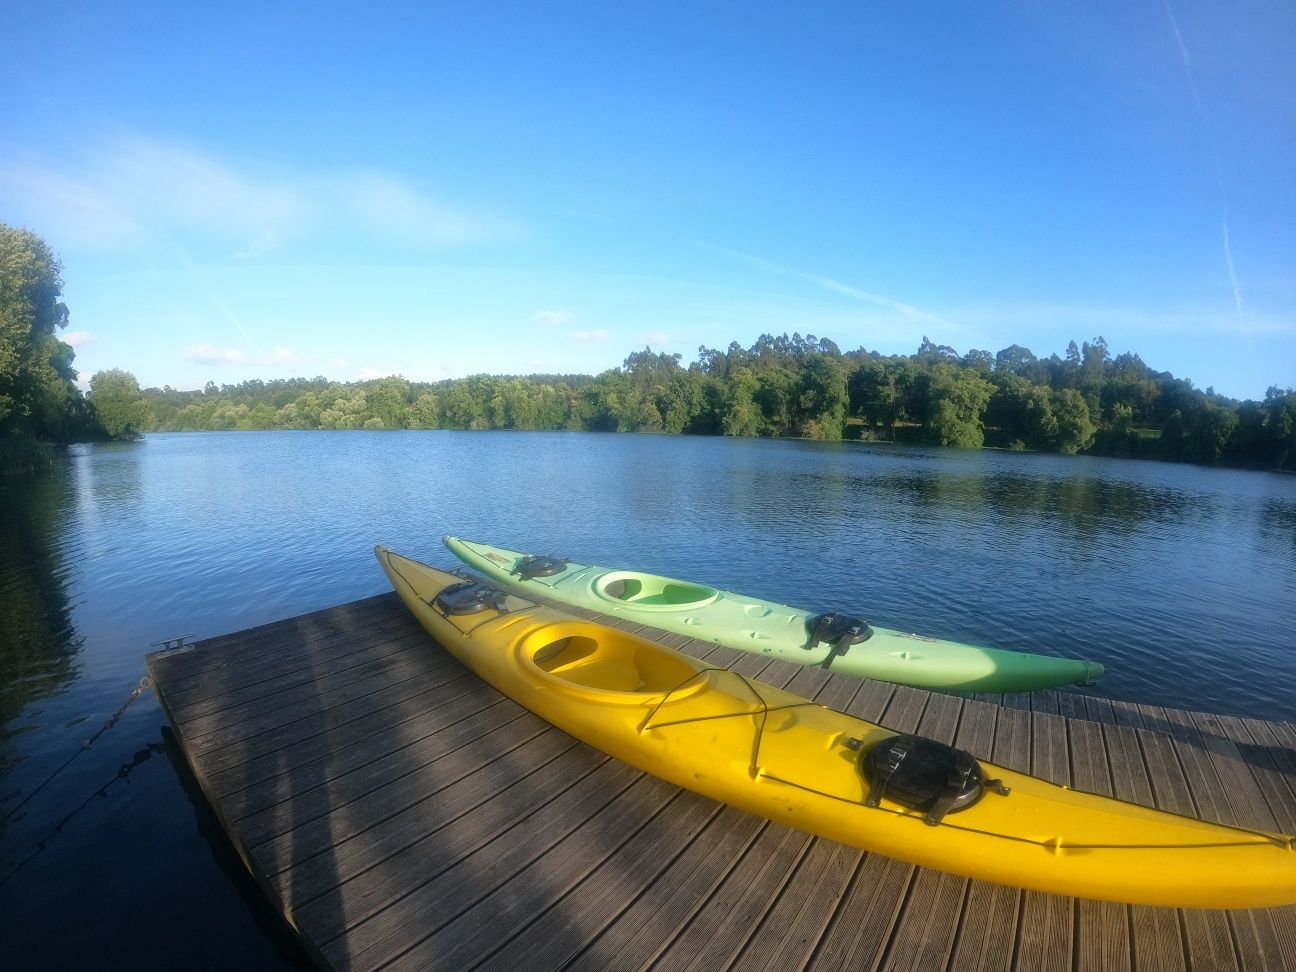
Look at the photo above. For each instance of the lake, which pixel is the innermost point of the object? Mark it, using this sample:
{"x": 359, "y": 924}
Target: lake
{"x": 1180, "y": 580}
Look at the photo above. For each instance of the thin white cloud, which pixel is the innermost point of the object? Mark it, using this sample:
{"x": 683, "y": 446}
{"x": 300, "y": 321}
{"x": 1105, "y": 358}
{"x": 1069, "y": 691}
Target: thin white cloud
{"x": 135, "y": 191}
{"x": 1190, "y": 77}
{"x": 208, "y": 354}
{"x": 1183, "y": 54}
{"x": 1082, "y": 319}
{"x": 590, "y": 337}
{"x": 77, "y": 338}
{"x": 656, "y": 339}
{"x": 554, "y": 316}
{"x": 835, "y": 286}
{"x": 395, "y": 209}
{"x": 285, "y": 356}
{"x": 1232, "y": 272}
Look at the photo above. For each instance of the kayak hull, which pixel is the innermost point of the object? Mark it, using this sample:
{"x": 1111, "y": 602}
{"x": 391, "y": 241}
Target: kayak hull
{"x": 780, "y": 756}
{"x": 767, "y": 628}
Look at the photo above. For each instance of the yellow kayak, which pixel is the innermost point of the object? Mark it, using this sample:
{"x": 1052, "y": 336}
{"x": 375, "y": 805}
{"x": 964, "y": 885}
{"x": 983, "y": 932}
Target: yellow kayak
{"x": 788, "y": 759}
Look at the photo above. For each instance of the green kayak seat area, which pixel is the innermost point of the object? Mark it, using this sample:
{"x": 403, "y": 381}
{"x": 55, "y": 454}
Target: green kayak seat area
{"x": 649, "y": 590}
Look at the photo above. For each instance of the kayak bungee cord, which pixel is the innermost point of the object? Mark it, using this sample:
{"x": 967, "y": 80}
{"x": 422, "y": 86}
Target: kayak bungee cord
{"x": 765, "y": 710}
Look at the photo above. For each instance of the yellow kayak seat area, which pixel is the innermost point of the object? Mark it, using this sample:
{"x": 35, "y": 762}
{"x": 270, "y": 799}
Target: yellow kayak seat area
{"x": 608, "y": 663}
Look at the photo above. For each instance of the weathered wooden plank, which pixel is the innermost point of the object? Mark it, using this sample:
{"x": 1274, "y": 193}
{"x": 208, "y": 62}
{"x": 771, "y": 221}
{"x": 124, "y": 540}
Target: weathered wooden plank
{"x": 239, "y": 725}
{"x": 319, "y": 854}
{"x": 858, "y": 933}
{"x": 213, "y": 701}
{"x": 381, "y": 913}
{"x": 1054, "y": 702}
{"x": 1045, "y": 935}
{"x": 1246, "y": 800}
{"x": 479, "y": 815}
{"x": 789, "y": 932}
{"x": 651, "y": 922}
{"x": 585, "y": 917}
{"x": 1154, "y": 933}
{"x": 1017, "y": 700}
{"x": 1097, "y": 709}
{"x": 548, "y": 894}
{"x": 1273, "y": 764}
{"x": 284, "y": 660}
{"x": 305, "y": 720}
{"x": 204, "y": 669}
{"x": 987, "y": 928}
{"x": 987, "y": 933}
{"x": 720, "y": 927}
{"x": 330, "y": 737}
{"x": 976, "y": 729}
{"x": 1012, "y": 746}
{"x": 905, "y": 709}
{"x": 1102, "y": 928}
{"x": 871, "y": 700}
{"x": 458, "y": 741}
{"x": 1126, "y": 714}
{"x": 1208, "y": 941}
{"x": 219, "y": 651}
{"x": 924, "y": 931}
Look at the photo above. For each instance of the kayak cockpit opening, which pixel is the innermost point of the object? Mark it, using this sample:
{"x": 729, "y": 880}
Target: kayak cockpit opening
{"x": 609, "y": 661}
{"x": 652, "y": 592}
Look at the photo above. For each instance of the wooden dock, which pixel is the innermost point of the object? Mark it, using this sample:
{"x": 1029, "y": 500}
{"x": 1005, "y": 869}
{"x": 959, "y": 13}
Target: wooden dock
{"x": 402, "y": 814}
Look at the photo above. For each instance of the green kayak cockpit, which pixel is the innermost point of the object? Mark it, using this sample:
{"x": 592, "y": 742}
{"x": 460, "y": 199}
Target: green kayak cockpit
{"x": 607, "y": 660}
{"x": 651, "y": 592}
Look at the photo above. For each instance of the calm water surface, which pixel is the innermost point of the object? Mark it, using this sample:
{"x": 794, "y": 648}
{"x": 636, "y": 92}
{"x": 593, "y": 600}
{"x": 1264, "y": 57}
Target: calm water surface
{"x": 1182, "y": 581}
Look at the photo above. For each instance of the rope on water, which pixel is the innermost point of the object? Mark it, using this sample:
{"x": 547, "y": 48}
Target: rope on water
{"x": 144, "y": 685}
{"x": 122, "y": 775}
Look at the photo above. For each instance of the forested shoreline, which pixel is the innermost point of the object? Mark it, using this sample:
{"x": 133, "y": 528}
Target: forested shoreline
{"x": 1086, "y": 401}
{"x": 41, "y": 407}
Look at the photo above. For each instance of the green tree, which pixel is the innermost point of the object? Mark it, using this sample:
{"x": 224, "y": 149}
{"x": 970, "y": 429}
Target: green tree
{"x": 387, "y": 401}
{"x": 875, "y": 394}
{"x": 35, "y": 367}
{"x": 958, "y": 403}
{"x": 1075, "y": 432}
{"x": 117, "y": 403}
{"x": 1023, "y": 412}
{"x": 424, "y": 412}
{"x": 742, "y": 417}
{"x": 822, "y": 400}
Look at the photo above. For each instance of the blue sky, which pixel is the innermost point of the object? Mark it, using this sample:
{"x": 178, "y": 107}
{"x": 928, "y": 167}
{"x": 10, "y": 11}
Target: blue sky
{"x": 271, "y": 190}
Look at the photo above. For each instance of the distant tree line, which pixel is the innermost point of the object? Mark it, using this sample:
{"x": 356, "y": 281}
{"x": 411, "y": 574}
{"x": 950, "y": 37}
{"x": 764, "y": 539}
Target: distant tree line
{"x": 1086, "y": 401}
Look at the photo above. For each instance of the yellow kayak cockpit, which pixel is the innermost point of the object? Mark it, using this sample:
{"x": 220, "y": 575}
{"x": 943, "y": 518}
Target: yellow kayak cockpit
{"x": 608, "y": 660}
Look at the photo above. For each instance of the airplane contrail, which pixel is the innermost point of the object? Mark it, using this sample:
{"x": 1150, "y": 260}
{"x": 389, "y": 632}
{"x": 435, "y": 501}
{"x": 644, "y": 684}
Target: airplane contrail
{"x": 1219, "y": 168}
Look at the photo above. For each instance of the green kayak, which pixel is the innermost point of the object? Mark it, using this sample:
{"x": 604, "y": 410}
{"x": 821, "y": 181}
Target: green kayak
{"x": 830, "y": 641}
